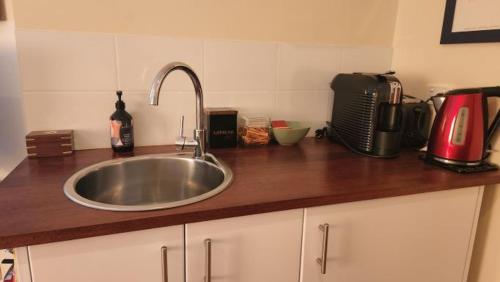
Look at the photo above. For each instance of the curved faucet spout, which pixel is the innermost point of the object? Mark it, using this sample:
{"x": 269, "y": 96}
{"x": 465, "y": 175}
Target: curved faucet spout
{"x": 154, "y": 96}
{"x": 154, "y": 91}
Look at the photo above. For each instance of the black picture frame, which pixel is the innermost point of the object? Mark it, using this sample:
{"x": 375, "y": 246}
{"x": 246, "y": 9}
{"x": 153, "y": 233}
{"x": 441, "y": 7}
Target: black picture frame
{"x": 450, "y": 37}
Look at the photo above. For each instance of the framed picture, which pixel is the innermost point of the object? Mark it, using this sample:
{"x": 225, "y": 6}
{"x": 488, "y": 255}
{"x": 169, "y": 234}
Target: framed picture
{"x": 471, "y": 21}
{"x": 3, "y": 11}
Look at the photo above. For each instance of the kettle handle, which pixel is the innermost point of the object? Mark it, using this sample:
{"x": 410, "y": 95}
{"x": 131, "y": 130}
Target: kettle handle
{"x": 492, "y": 92}
{"x": 493, "y": 127}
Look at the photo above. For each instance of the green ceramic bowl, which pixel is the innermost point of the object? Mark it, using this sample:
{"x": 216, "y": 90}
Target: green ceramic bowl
{"x": 291, "y": 135}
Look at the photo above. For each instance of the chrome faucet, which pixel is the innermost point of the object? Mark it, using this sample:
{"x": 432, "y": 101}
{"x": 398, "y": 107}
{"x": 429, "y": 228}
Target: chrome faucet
{"x": 198, "y": 141}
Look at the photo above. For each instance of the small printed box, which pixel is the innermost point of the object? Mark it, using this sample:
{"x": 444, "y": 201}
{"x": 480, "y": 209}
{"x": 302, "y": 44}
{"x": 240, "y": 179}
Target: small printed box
{"x": 222, "y": 127}
{"x": 49, "y": 143}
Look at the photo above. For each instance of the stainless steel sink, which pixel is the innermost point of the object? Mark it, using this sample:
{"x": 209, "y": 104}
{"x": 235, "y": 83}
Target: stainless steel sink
{"x": 155, "y": 181}
{"x": 148, "y": 182}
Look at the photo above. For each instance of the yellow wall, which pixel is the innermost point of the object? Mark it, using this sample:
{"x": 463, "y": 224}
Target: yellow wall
{"x": 369, "y": 22}
{"x": 421, "y": 61}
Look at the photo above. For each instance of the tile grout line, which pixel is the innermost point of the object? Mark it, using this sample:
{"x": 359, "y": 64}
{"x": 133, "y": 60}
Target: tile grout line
{"x": 277, "y": 75}
{"x": 117, "y": 63}
{"x": 62, "y": 92}
{"x": 178, "y": 92}
{"x": 221, "y": 39}
{"x": 342, "y": 60}
{"x": 204, "y": 65}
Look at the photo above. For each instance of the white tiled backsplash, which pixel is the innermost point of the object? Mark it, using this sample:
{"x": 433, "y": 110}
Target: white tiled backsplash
{"x": 69, "y": 80}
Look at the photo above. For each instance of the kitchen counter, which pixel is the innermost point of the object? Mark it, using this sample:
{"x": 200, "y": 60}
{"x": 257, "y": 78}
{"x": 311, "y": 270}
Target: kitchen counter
{"x": 272, "y": 178}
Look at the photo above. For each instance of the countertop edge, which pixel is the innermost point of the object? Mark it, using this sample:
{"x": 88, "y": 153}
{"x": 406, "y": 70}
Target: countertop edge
{"x": 22, "y": 240}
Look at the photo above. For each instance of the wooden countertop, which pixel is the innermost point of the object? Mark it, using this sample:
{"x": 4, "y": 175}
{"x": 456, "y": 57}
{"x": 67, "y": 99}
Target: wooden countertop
{"x": 272, "y": 178}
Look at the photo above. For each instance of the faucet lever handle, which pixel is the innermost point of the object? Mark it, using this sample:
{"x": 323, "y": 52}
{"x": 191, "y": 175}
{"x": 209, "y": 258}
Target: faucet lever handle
{"x": 180, "y": 142}
{"x": 181, "y": 128}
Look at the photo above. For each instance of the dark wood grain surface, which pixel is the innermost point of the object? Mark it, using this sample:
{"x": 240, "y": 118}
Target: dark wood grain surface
{"x": 36, "y": 211}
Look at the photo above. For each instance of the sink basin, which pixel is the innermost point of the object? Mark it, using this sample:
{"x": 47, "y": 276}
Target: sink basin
{"x": 148, "y": 182}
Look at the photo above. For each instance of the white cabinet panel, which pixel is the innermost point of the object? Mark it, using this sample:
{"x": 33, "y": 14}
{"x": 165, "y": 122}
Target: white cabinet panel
{"x": 263, "y": 248}
{"x": 424, "y": 237}
{"x": 130, "y": 257}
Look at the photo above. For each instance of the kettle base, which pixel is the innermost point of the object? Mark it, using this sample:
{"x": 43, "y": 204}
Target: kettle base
{"x": 460, "y": 168}
{"x": 453, "y": 162}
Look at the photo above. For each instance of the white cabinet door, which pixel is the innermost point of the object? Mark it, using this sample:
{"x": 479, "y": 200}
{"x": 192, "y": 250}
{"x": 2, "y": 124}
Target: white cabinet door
{"x": 263, "y": 248}
{"x": 425, "y": 237}
{"x": 127, "y": 257}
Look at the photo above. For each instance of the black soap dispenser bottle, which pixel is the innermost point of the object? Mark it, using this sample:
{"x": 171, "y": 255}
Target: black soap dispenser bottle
{"x": 122, "y": 131}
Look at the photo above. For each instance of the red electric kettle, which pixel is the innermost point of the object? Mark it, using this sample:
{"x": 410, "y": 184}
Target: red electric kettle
{"x": 460, "y": 134}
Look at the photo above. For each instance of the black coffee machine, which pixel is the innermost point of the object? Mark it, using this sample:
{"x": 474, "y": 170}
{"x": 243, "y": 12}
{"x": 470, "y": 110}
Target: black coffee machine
{"x": 368, "y": 114}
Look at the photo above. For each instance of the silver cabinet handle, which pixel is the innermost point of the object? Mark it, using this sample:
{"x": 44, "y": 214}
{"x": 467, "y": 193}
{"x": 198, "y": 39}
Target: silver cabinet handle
{"x": 164, "y": 263}
{"x": 324, "y": 252}
{"x": 208, "y": 260}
